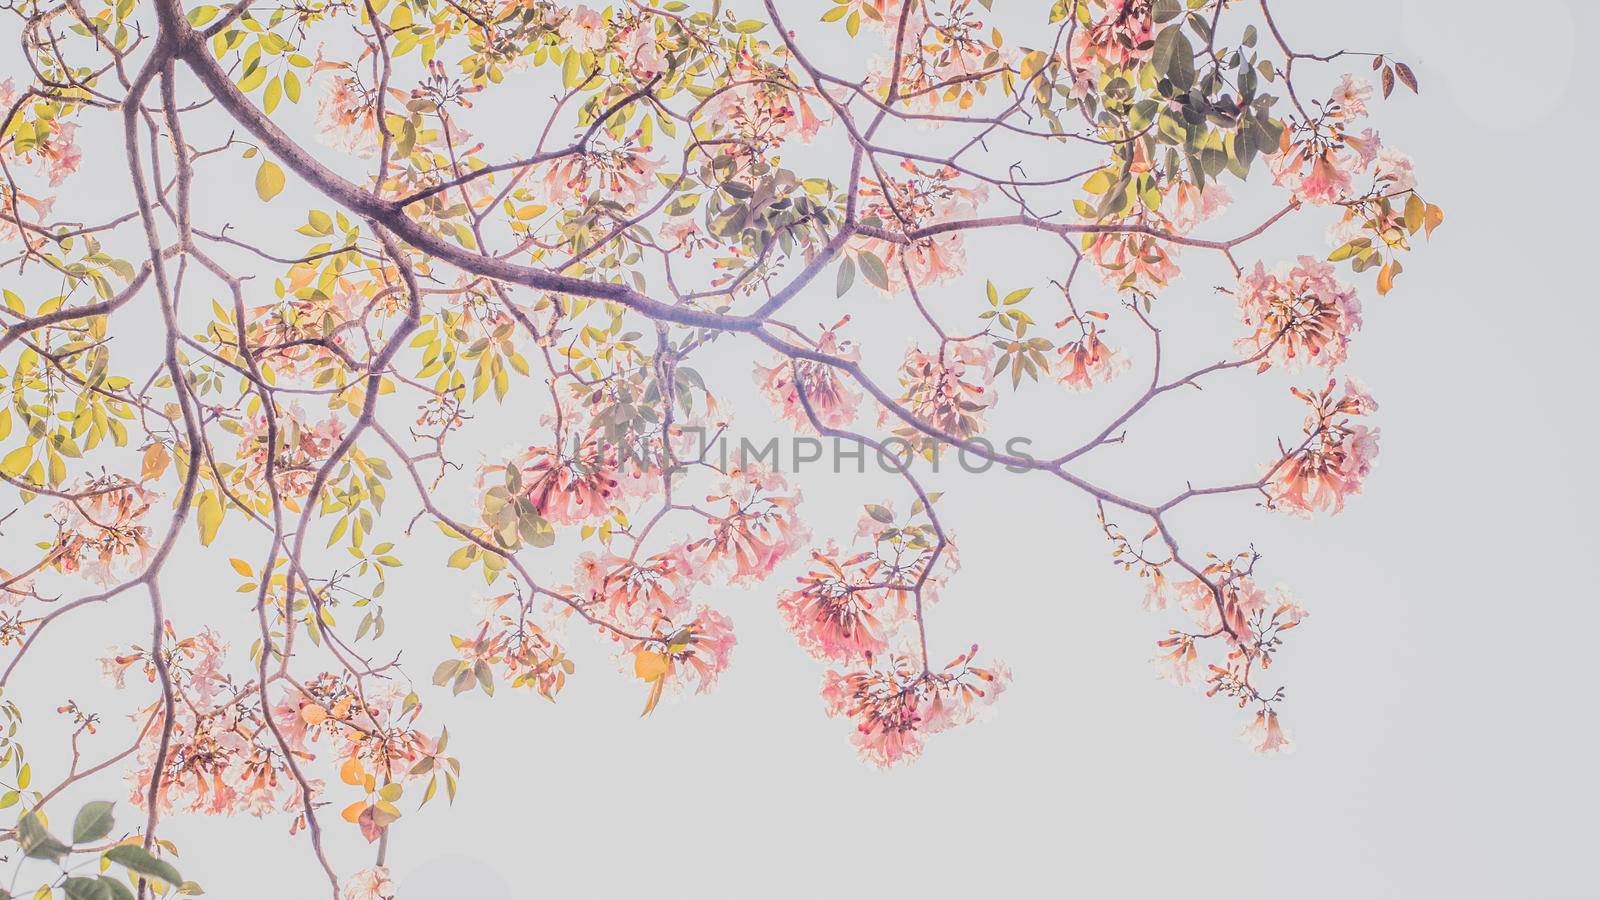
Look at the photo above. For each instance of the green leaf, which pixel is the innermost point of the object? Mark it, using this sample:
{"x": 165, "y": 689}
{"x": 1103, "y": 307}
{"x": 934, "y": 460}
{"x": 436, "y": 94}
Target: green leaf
{"x": 1181, "y": 69}
{"x": 79, "y": 888}
{"x": 94, "y": 822}
{"x": 36, "y": 842}
{"x": 136, "y": 859}
{"x": 847, "y": 271}
{"x": 874, "y": 269}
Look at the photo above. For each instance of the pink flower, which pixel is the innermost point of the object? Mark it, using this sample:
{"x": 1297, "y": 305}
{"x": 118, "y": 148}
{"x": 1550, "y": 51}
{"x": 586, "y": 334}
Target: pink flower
{"x": 61, "y": 156}
{"x": 834, "y": 613}
{"x": 622, "y": 175}
{"x": 897, "y": 706}
{"x": 369, "y": 884}
{"x": 1350, "y": 98}
{"x": 1123, "y": 35}
{"x": 759, "y": 110}
{"x": 1303, "y": 316}
{"x": 302, "y": 449}
{"x": 15, "y": 200}
{"x": 950, "y": 389}
{"x": 639, "y": 47}
{"x": 925, "y": 198}
{"x": 1319, "y": 179}
{"x": 1396, "y": 170}
{"x": 1241, "y": 603}
{"x": 1185, "y": 206}
{"x": 1265, "y": 734}
{"x": 584, "y": 30}
{"x": 1337, "y": 456}
{"x": 681, "y": 234}
{"x": 1357, "y": 396}
{"x": 759, "y": 527}
{"x": 635, "y": 593}
{"x": 1360, "y": 454}
{"x": 562, "y": 488}
{"x": 1133, "y": 260}
{"x": 347, "y": 118}
{"x": 101, "y": 533}
{"x": 831, "y": 398}
{"x": 1086, "y": 361}
{"x": 690, "y": 657}
{"x": 1176, "y": 659}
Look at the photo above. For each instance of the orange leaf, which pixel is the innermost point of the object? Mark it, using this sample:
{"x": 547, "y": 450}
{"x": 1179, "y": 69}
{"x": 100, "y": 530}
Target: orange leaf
{"x": 351, "y": 772}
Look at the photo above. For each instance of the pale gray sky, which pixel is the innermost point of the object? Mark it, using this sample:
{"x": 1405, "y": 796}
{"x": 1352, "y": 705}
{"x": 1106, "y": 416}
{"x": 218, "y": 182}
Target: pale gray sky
{"x": 1439, "y": 696}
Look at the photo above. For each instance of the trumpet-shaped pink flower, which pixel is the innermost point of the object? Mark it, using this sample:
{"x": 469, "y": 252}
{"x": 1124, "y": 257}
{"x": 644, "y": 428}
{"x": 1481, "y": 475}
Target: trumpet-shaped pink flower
{"x": 1302, "y": 316}
{"x": 347, "y": 117}
{"x": 925, "y": 198}
{"x": 1121, "y": 35}
{"x": 1264, "y": 734}
{"x": 1349, "y": 99}
{"x": 562, "y": 488}
{"x": 1087, "y": 361}
{"x": 832, "y": 399}
{"x": 897, "y": 706}
{"x": 949, "y": 389}
{"x": 369, "y": 884}
{"x": 622, "y": 175}
{"x": 584, "y": 29}
{"x": 633, "y": 593}
{"x": 834, "y": 613}
{"x": 1337, "y": 455}
{"x": 100, "y": 531}
{"x": 759, "y": 525}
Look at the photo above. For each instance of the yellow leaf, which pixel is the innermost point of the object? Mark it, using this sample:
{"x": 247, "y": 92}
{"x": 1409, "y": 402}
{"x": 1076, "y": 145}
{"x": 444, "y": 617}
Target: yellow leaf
{"x": 655, "y": 697}
{"x": 16, "y": 461}
{"x": 351, "y": 772}
{"x": 1415, "y": 212}
{"x": 649, "y": 665}
{"x": 352, "y": 813}
{"x": 156, "y": 459}
{"x": 269, "y": 180}
{"x": 210, "y": 517}
{"x": 240, "y": 566}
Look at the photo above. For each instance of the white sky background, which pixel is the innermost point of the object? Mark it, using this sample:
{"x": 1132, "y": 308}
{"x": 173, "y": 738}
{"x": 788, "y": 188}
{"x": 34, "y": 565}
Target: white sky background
{"x": 1439, "y": 695}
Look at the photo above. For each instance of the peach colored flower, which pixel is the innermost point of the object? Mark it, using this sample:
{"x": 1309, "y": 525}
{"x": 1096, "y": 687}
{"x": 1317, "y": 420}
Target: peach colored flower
{"x": 369, "y": 884}
{"x": 759, "y": 526}
{"x": 1122, "y": 35}
{"x": 830, "y": 395}
{"x": 1087, "y": 361}
{"x": 834, "y": 613}
{"x": 1265, "y": 734}
{"x": 949, "y": 389}
{"x": 584, "y": 30}
{"x": 1301, "y": 316}
{"x": 101, "y": 532}
{"x": 1350, "y": 98}
{"x": 347, "y": 118}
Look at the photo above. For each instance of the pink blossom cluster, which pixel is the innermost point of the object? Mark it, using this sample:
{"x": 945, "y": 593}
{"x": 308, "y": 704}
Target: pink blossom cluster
{"x": 1301, "y": 315}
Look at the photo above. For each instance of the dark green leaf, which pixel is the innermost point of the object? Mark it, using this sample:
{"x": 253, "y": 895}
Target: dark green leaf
{"x": 93, "y": 823}
{"x": 36, "y": 842}
{"x": 137, "y": 859}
